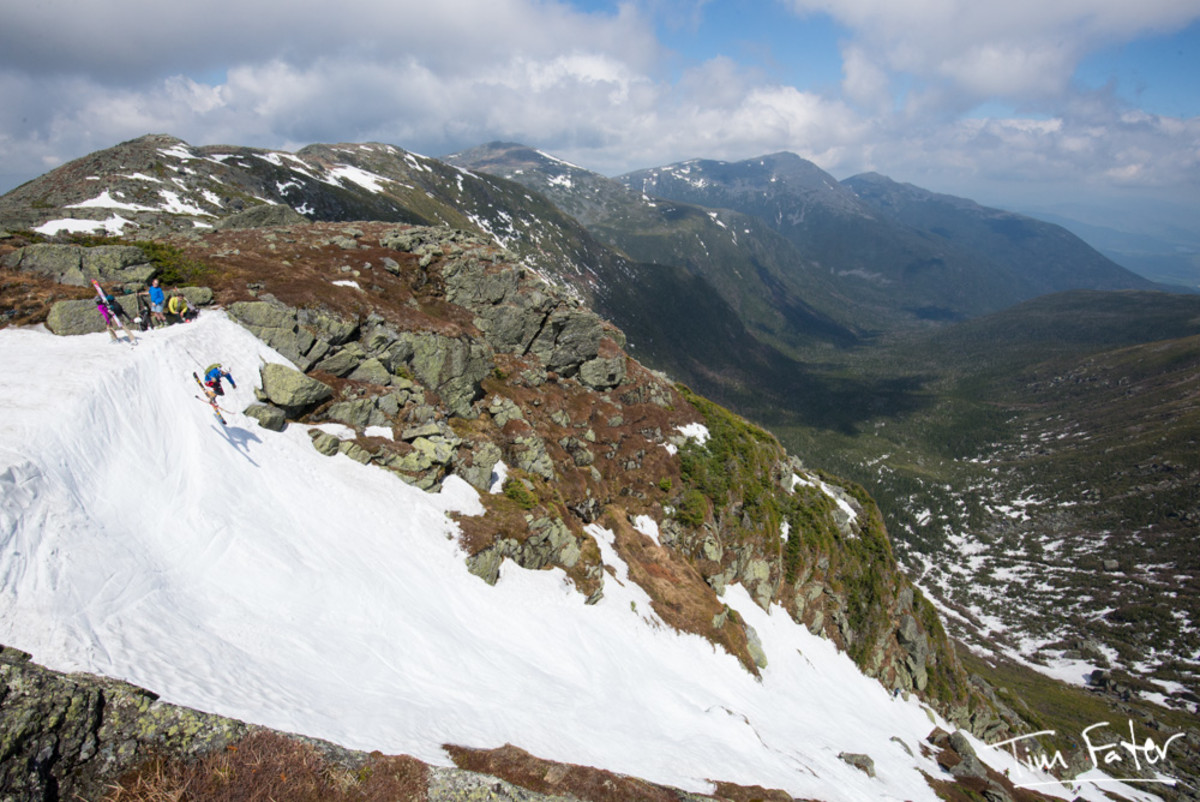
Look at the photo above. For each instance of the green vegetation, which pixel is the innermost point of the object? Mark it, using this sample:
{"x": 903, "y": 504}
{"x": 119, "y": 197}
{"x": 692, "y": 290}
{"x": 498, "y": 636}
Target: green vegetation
{"x": 174, "y": 267}
{"x": 692, "y": 508}
{"x": 1058, "y": 439}
{"x": 734, "y": 466}
{"x": 516, "y": 490}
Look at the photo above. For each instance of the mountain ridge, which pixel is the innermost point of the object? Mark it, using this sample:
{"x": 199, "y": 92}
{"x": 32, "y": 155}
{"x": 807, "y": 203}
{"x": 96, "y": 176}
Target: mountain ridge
{"x": 451, "y": 296}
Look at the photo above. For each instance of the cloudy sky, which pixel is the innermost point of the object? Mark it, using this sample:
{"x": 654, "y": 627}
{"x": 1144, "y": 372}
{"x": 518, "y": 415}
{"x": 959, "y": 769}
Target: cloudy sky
{"x": 1009, "y": 103}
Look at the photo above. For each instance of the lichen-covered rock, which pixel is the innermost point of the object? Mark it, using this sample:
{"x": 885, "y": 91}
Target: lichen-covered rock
{"x": 568, "y": 338}
{"x": 74, "y": 317}
{"x": 324, "y": 442}
{"x": 754, "y": 646}
{"x": 276, "y": 325}
{"x": 77, "y": 265}
{"x": 340, "y": 361}
{"x": 291, "y": 390}
{"x": 503, "y": 410}
{"x": 601, "y": 373}
{"x": 862, "y": 762}
{"x": 371, "y": 370}
{"x": 197, "y": 296}
{"x": 452, "y": 367}
{"x": 268, "y": 417}
{"x": 68, "y": 736}
{"x": 356, "y": 413}
{"x": 483, "y": 460}
{"x": 354, "y": 451}
{"x": 529, "y": 454}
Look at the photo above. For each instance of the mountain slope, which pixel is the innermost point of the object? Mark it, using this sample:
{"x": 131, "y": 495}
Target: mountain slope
{"x": 781, "y": 297}
{"x": 906, "y": 267}
{"x": 1055, "y": 453}
{"x": 1044, "y": 257}
{"x": 241, "y": 571}
{"x": 158, "y": 185}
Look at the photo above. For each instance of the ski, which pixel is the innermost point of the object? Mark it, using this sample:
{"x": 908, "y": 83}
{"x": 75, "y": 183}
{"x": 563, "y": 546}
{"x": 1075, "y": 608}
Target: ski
{"x": 210, "y": 398}
{"x": 104, "y": 300}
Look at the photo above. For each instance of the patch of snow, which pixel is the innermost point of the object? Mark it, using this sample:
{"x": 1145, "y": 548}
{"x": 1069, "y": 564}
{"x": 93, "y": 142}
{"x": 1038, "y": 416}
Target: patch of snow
{"x": 694, "y": 431}
{"x": 499, "y": 475}
{"x": 339, "y": 430}
{"x": 347, "y": 283}
{"x": 379, "y": 431}
{"x": 647, "y": 526}
{"x": 174, "y": 205}
{"x": 105, "y": 200}
{"x": 363, "y": 178}
{"x": 69, "y": 225}
{"x": 180, "y": 151}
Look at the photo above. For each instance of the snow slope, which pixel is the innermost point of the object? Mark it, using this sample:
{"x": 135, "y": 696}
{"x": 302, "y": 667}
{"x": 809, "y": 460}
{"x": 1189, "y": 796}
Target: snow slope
{"x": 238, "y": 571}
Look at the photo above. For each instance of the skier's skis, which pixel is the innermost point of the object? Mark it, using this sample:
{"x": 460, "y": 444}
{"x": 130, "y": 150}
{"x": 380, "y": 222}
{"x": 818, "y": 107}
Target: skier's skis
{"x": 210, "y": 398}
{"x": 104, "y": 300}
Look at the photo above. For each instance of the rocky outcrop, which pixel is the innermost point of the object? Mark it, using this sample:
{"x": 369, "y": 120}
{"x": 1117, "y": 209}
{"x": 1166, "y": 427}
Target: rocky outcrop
{"x": 123, "y": 265}
{"x": 67, "y": 318}
{"x": 862, "y": 762}
{"x": 290, "y": 390}
{"x": 77, "y": 736}
{"x": 269, "y": 417}
{"x": 74, "y": 317}
{"x": 263, "y": 216}
{"x": 65, "y": 736}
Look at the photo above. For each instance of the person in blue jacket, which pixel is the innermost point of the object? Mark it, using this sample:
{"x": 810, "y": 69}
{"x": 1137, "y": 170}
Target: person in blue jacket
{"x": 213, "y": 375}
{"x": 157, "y": 299}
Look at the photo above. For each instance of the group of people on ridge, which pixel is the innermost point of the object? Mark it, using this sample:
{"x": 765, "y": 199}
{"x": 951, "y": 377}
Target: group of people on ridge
{"x": 152, "y": 311}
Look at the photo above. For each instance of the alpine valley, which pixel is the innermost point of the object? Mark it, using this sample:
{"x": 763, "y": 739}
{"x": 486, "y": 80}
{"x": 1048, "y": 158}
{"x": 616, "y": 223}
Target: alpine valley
{"x": 711, "y": 481}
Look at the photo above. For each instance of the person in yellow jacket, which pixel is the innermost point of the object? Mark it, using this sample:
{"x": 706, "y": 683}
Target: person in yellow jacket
{"x": 177, "y": 305}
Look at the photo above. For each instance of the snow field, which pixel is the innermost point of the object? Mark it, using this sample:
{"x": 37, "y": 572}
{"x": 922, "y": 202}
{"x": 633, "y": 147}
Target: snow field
{"x": 238, "y": 571}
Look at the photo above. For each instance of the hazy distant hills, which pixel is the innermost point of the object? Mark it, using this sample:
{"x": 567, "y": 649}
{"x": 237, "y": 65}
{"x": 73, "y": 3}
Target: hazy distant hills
{"x": 782, "y": 297}
{"x": 897, "y": 247}
{"x": 1043, "y": 257}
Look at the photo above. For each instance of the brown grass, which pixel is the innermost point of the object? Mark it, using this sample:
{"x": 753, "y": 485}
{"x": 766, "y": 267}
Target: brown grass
{"x": 520, "y": 768}
{"x": 680, "y": 595}
{"x": 751, "y": 793}
{"x": 269, "y": 767}
{"x": 25, "y": 298}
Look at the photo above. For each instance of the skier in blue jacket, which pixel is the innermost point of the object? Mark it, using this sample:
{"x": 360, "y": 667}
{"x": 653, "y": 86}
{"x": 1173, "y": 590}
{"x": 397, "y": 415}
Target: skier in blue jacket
{"x": 213, "y": 375}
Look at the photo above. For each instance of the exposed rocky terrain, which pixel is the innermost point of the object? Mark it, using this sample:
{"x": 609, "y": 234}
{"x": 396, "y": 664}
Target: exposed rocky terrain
{"x": 440, "y": 352}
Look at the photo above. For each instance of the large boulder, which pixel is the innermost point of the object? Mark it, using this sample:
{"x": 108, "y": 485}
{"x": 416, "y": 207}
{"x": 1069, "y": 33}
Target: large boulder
{"x": 452, "y": 367}
{"x": 292, "y": 391}
{"x": 275, "y": 325}
{"x": 76, "y": 265}
{"x": 268, "y": 417}
{"x": 74, "y": 317}
{"x": 568, "y": 338}
{"x": 263, "y": 216}
{"x": 601, "y": 373}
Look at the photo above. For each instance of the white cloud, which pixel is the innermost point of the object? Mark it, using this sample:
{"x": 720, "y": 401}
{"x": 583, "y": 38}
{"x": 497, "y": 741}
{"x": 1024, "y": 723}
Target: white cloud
{"x": 865, "y": 82}
{"x": 592, "y": 88}
{"x": 1015, "y": 48}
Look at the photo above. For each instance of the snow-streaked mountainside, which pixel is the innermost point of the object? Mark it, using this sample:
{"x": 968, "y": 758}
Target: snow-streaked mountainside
{"x": 238, "y": 571}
